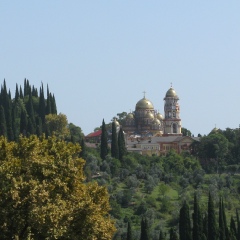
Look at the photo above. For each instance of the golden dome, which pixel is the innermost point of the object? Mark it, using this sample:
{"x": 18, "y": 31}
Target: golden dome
{"x": 156, "y": 121}
{"x": 144, "y": 104}
{"x": 159, "y": 116}
{"x": 149, "y": 115}
{"x": 130, "y": 115}
{"x": 171, "y": 93}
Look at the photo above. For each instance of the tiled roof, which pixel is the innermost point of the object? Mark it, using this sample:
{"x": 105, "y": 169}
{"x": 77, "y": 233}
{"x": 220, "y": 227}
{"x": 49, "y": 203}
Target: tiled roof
{"x": 94, "y": 134}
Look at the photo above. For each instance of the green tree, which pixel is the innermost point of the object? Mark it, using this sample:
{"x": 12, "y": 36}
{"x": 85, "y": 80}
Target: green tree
{"x": 144, "y": 230}
{"x": 222, "y": 234}
{"x": 212, "y": 226}
{"x": 3, "y": 126}
{"x": 161, "y": 235}
{"x": 104, "y": 143}
{"x": 129, "y": 232}
{"x": 114, "y": 142}
{"x": 43, "y": 193}
{"x": 57, "y": 125}
{"x": 121, "y": 144}
{"x": 184, "y": 223}
{"x": 173, "y": 234}
{"x": 197, "y": 230}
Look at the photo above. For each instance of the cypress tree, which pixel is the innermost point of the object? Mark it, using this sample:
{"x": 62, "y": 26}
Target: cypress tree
{"x": 121, "y": 144}
{"x": 161, "y": 235}
{"x": 39, "y": 130}
{"x": 222, "y": 234}
{"x": 224, "y": 220}
{"x": 53, "y": 105}
{"x": 238, "y": 225}
{"x": 104, "y": 143}
{"x": 212, "y": 227}
{"x": 21, "y": 93}
{"x": 205, "y": 225}
{"x": 3, "y": 127}
{"x": 197, "y": 220}
{"x": 48, "y": 106}
{"x": 30, "y": 111}
{"x": 41, "y": 107}
{"x": 114, "y": 143}
{"x": 184, "y": 223}
{"x": 16, "y": 94}
{"x": 129, "y": 232}
{"x": 9, "y": 120}
{"x": 144, "y": 230}
{"x": 83, "y": 149}
{"x": 23, "y": 123}
{"x": 233, "y": 228}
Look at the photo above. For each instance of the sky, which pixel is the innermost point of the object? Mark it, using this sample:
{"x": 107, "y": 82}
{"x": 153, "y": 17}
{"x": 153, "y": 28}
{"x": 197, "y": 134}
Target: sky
{"x": 98, "y": 57}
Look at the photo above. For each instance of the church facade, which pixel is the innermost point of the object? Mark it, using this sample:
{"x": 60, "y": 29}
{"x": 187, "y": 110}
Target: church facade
{"x": 146, "y": 121}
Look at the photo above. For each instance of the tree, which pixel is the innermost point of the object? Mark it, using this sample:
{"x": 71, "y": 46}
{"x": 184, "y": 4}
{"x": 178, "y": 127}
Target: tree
{"x": 129, "y": 232}
{"x": 43, "y": 193}
{"x": 144, "y": 230}
{"x": 57, "y": 125}
{"x": 222, "y": 234}
{"x": 184, "y": 223}
{"x": 104, "y": 143}
{"x": 3, "y": 126}
{"x": 173, "y": 234}
{"x": 121, "y": 144}
{"x": 212, "y": 227}
{"x": 197, "y": 220}
{"x": 161, "y": 235}
{"x": 114, "y": 142}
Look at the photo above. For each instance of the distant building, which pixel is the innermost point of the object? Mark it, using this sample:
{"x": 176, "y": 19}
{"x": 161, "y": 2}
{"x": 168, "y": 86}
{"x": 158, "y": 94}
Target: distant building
{"x": 145, "y": 120}
{"x": 148, "y": 132}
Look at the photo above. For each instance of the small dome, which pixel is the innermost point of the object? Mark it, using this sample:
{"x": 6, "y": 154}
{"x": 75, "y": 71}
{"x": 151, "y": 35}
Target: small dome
{"x": 144, "y": 104}
{"x": 156, "y": 121}
{"x": 159, "y": 116}
{"x": 149, "y": 115}
{"x": 171, "y": 93}
{"x": 130, "y": 116}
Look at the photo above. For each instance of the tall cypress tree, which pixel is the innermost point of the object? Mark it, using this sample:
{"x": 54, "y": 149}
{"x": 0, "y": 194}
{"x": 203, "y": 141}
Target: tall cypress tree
{"x": 3, "y": 126}
{"x": 41, "y": 107}
{"x": 23, "y": 122}
{"x": 222, "y": 234}
{"x": 161, "y": 235}
{"x": 212, "y": 226}
{"x": 184, "y": 223}
{"x": 197, "y": 230}
{"x": 144, "y": 230}
{"x": 16, "y": 94}
{"x": 21, "y": 93}
{"x": 48, "y": 106}
{"x": 233, "y": 229}
{"x": 30, "y": 111}
{"x": 104, "y": 143}
{"x": 238, "y": 225}
{"x": 121, "y": 144}
{"x": 114, "y": 143}
{"x": 53, "y": 105}
{"x": 224, "y": 220}
{"x": 129, "y": 232}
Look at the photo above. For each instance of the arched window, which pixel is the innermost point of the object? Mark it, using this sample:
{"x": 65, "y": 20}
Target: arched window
{"x": 174, "y": 127}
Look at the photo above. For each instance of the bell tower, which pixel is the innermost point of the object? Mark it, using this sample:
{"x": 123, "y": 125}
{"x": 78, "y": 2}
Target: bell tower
{"x": 172, "y": 121}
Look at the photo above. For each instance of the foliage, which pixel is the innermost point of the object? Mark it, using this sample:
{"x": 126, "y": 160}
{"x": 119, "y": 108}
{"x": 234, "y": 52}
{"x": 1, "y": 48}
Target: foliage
{"x": 43, "y": 194}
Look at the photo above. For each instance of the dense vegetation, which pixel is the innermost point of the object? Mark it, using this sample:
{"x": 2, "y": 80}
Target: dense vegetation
{"x": 151, "y": 197}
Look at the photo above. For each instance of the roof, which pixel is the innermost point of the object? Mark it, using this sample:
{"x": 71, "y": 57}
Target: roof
{"x": 94, "y": 134}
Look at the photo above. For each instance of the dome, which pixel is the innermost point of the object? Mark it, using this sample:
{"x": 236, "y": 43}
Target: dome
{"x": 159, "y": 116}
{"x": 156, "y": 121}
{"x": 144, "y": 104}
{"x": 149, "y": 115}
{"x": 130, "y": 116}
{"x": 171, "y": 93}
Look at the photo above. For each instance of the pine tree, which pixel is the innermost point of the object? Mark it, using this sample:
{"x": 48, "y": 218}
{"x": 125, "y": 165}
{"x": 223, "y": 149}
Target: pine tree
{"x": 3, "y": 126}
{"x": 121, "y": 144}
{"x": 114, "y": 143}
{"x": 184, "y": 223}
{"x": 104, "y": 143}
{"x": 197, "y": 220}
{"x": 212, "y": 226}
{"x": 129, "y": 232}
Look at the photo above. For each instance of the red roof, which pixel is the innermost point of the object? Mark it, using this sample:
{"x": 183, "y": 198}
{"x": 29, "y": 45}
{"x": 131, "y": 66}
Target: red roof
{"x": 94, "y": 134}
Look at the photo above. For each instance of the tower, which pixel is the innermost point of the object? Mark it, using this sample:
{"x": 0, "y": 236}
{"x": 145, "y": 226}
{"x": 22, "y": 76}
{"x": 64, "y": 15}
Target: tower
{"x": 172, "y": 121}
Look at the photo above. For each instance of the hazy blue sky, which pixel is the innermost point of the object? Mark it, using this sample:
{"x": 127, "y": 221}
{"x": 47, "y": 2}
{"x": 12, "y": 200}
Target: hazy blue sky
{"x": 99, "y": 56}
